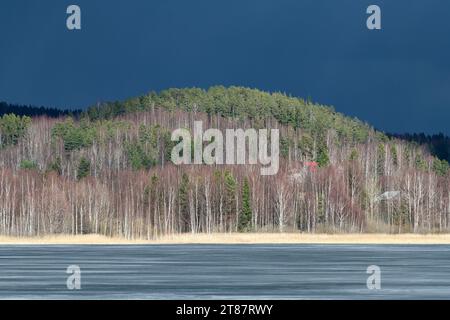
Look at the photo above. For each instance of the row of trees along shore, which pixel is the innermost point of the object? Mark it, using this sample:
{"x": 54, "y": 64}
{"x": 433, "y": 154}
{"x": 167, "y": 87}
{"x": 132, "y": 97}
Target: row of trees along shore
{"x": 109, "y": 172}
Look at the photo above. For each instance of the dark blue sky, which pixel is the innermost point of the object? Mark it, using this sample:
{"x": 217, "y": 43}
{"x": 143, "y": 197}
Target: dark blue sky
{"x": 397, "y": 79}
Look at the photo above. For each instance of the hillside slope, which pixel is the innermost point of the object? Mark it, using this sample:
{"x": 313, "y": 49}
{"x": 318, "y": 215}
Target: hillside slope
{"x": 110, "y": 172}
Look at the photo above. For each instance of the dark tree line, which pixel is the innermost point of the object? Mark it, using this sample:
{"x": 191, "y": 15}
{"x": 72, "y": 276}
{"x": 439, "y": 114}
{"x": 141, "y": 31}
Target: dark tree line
{"x": 32, "y": 111}
{"x": 438, "y": 144}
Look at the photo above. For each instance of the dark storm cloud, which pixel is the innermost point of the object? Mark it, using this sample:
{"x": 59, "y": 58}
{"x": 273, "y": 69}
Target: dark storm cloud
{"x": 398, "y": 79}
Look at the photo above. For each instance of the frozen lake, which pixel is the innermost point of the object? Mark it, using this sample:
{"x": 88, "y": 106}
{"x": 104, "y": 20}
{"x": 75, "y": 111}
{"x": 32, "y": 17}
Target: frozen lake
{"x": 225, "y": 272}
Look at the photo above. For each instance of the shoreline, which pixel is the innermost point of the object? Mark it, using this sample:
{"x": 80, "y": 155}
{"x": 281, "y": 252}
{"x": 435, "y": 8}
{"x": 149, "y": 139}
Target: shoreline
{"x": 236, "y": 238}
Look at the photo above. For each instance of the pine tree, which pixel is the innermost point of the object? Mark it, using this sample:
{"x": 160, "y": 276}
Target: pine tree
{"x": 28, "y": 165}
{"x": 394, "y": 155}
{"x": 322, "y": 156}
{"x": 12, "y": 128}
{"x": 183, "y": 201}
{"x": 306, "y": 145}
{"x": 84, "y": 168}
{"x": 380, "y": 159}
{"x": 440, "y": 167}
{"x": 354, "y": 155}
{"x": 284, "y": 147}
{"x": 421, "y": 164}
{"x": 230, "y": 199}
{"x": 245, "y": 217}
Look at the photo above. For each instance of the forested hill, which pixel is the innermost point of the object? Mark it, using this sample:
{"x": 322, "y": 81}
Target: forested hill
{"x": 242, "y": 103}
{"x": 259, "y": 105}
{"x": 32, "y": 111}
{"x": 109, "y": 171}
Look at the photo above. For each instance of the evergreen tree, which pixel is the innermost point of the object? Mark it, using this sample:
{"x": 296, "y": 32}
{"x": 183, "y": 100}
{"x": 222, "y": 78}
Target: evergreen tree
{"x": 84, "y": 168}
{"x": 421, "y": 164}
{"x": 74, "y": 136}
{"x": 381, "y": 159}
{"x": 306, "y": 145}
{"x": 440, "y": 167}
{"x": 394, "y": 155}
{"x": 245, "y": 218}
{"x": 28, "y": 165}
{"x": 138, "y": 157}
{"x": 230, "y": 189}
{"x": 354, "y": 155}
{"x": 12, "y": 128}
{"x": 284, "y": 147}
{"x": 322, "y": 156}
{"x": 183, "y": 201}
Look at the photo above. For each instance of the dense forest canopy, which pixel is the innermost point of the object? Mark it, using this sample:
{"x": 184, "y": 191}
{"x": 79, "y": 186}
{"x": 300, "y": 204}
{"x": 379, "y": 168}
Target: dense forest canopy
{"x": 239, "y": 102}
{"x": 242, "y": 103}
{"x": 32, "y": 111}
{"x": 108, "y": 170}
